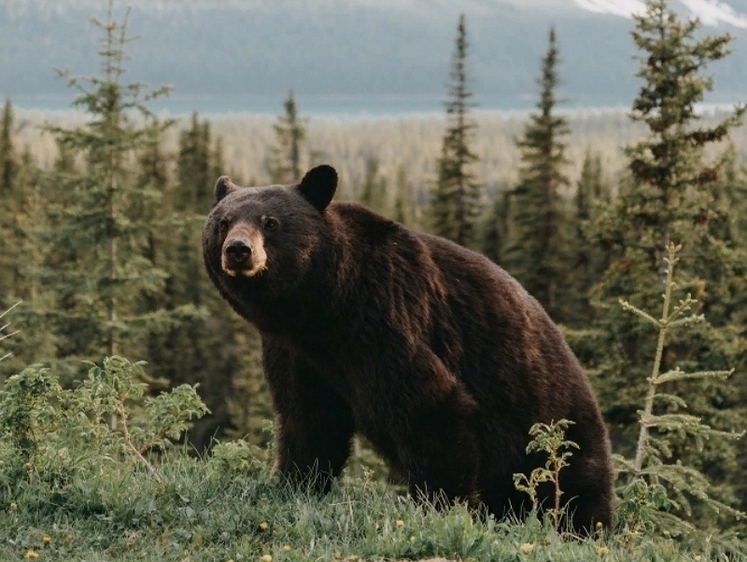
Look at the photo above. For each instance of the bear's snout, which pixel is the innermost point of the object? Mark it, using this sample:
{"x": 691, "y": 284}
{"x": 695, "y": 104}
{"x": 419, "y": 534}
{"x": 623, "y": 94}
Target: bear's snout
{"x": 243, "y": 252}
{"x": 238, "y": 253}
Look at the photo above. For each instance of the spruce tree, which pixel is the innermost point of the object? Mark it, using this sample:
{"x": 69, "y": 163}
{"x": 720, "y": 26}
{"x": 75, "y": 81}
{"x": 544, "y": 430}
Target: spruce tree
{"x": 670, "y": 197}
{"x": 536, "y": 254}
{"x": 455, "y": 205}
{"x": 588, "y": 259}
{"x": 8, "y": 156}
{"x": 373, "y": 189}
{"x": 98, "y": 241}
{"x": 195, "y": 173}
{"x": 9, "y": 203}
{"x": 497, "y": 226}
{"x": 284, "y": 164}
{"x": 405, "y": 209}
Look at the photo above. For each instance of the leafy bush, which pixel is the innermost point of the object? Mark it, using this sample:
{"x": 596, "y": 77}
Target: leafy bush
{"x": 54, "y": 435}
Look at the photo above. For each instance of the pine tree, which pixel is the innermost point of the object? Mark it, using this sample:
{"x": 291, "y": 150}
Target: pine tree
{"x": 670, "y": 196}
{"x": 588, "y": 258}
{"x": 8, "y": 156}
{"x": 455, "y": 205}
{"x": 405, "y": 209}
{"x": 98, "y": 241}
{"x": 536, "y": 255}
{"x": 284, "y": 165}
{"x": 195, "y": 173}
{"x": 496, "y": 232}
{"x": 9, "y": 203}
{"x": 373, "y": 190}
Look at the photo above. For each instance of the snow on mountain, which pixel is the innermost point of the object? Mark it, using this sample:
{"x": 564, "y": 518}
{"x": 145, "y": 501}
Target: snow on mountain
{"x": 616, "y": 7}
{"x": 713, "y": 12}
{"x": 710, "y": 12}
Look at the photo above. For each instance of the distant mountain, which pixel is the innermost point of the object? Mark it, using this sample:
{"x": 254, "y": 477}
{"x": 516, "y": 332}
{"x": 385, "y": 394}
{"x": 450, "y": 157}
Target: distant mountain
{"x": 213, "y": 48}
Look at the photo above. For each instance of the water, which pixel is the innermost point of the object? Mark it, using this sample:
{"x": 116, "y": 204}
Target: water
{"x": 337, "y": 106}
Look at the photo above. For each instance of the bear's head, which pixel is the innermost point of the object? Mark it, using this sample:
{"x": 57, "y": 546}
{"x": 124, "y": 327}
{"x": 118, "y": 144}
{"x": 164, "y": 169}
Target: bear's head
{"x": 262, "y": 241}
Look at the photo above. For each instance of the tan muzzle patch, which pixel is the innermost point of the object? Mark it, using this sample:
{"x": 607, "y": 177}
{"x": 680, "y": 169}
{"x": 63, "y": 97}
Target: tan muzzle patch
{"x": 248, "y": 240}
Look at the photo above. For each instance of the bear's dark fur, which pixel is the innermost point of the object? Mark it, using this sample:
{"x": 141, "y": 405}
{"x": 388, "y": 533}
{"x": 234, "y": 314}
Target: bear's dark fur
{"x": 435, "y": 354}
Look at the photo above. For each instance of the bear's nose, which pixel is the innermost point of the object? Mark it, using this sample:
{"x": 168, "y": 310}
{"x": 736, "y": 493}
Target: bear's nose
{"x": 238, "y": 252}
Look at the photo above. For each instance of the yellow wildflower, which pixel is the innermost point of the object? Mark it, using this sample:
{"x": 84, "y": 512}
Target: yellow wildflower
{"x": 264, "y": 525}
{"x": 31, "y": 555}
{"x": 526, "y": 548}
{"x": 602, "y": 550}
{"x": 266, "y": 558}
{"x": 286, "y": 548}
{"x": 46, "y": 539}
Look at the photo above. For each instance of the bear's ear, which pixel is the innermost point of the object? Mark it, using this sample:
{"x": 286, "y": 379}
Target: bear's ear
{"x": 223, "y": 187}
{"x": 318, "y": 186}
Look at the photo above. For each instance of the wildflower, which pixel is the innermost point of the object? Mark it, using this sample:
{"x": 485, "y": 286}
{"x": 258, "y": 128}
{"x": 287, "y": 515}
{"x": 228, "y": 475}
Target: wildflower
{"x": 266, "y": 558}
{"x": 602, "y": 550}
{"x": 526, "y": 548}
{"x": 31, "y": 555}
{"x": 599, "y": 525}
{"x": 13, "y": 505}
{"x": 400, "y": 523}
{"x": 286, "y": 548}
{"x": 412, "y": 538}
{"x": 46, "y": 539}
{"x": 338, "y": 555}
{"x": 264, "y": 526}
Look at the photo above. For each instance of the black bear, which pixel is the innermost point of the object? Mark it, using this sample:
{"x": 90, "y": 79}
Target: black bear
{"x": 431, "y": 351}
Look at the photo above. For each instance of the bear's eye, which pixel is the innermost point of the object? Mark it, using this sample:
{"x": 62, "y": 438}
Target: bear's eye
{"x": 223, "y": 225}
{"x": 271, "y": 223}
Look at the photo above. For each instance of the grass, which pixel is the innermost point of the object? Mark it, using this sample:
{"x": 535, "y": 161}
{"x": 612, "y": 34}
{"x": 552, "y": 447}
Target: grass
{"x": 71, "y": 488}
{"x": 206, "y": 510}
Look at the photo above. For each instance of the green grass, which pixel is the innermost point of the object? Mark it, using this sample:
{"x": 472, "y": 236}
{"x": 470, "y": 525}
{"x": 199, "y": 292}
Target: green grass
{"x": 206, "y": 511}
{"x": 73, "y": 489}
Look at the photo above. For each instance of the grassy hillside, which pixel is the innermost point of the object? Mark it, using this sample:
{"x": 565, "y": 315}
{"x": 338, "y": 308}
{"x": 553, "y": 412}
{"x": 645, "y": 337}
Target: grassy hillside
{"x": 73, "y": 488}
{"x": 217, "y": 509}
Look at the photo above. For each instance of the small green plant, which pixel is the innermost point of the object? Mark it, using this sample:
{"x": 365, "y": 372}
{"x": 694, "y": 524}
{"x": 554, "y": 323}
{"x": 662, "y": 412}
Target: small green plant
{"x": 4, "y": 329}
{"x": 654, "y": 486}
{"x": 57, "y": 433}
{"x": 550, "y": 439}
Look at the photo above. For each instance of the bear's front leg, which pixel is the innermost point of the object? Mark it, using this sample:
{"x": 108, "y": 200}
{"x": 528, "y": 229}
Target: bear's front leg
{"x": 315, "y": 426}
{"x": 433, "y": 423}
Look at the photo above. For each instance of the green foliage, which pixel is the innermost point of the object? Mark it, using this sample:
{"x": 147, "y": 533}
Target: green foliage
{"x": 227, "y": 506}
{"x": 95, "y": 271}
{"x": 675, "y": 188}
{"x": 455, "y": 204}
{"x": 549, "y": 439}
{"x": 497, "y": 227}
{"x": 588, "y": 259}
{"x": 537, "y": 253}
{"x": 373, "y": 188}
{"x": 59, "y": 435}
{"x": 653, "y": 485}
{"x": 197, "y": 169}
{"x": 5, "y": 332}
{"x": 284, "y": 163}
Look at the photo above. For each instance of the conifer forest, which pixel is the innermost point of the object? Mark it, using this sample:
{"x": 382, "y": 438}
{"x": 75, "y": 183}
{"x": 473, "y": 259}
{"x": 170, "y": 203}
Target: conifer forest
{"x": 629, "y": 227}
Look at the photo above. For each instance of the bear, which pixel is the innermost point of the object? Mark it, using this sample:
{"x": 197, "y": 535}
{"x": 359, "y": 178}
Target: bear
{"x": 429, "y": 350}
